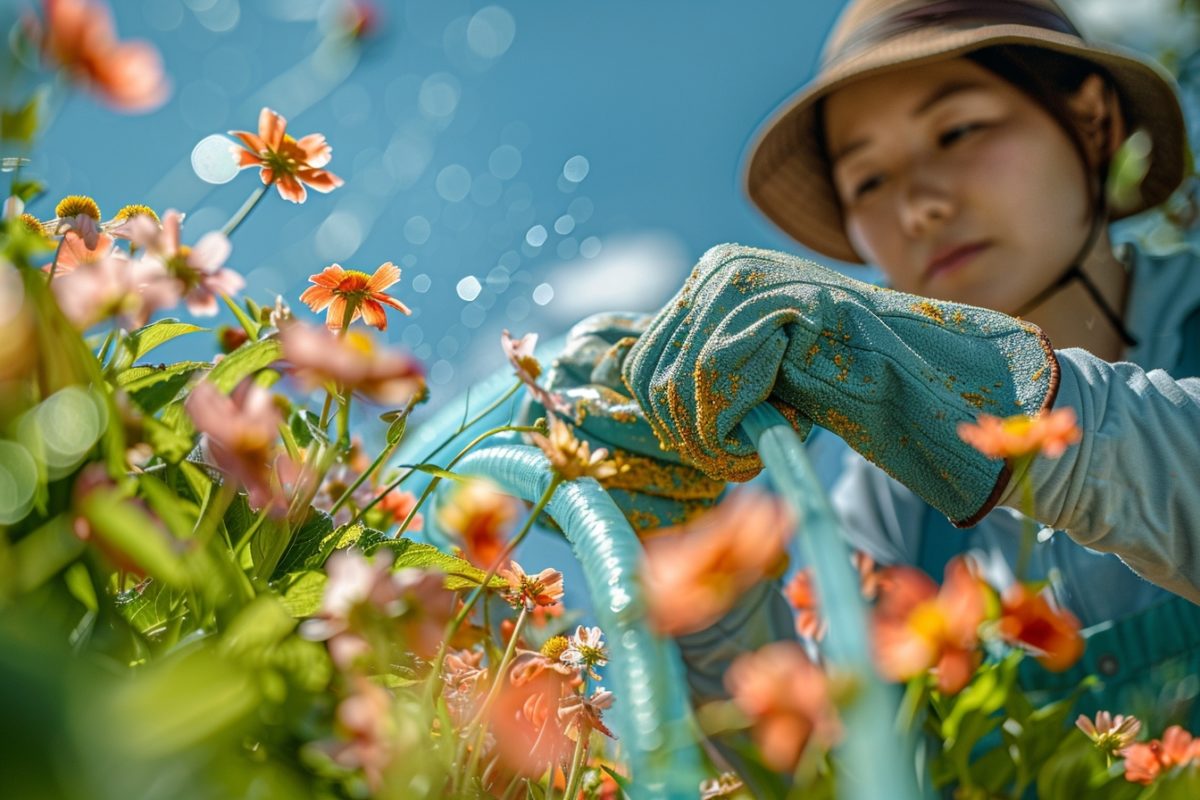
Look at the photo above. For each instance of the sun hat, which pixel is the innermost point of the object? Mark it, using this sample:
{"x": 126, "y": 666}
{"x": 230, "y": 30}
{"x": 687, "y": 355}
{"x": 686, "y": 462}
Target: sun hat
{"x": 788, "y": 176}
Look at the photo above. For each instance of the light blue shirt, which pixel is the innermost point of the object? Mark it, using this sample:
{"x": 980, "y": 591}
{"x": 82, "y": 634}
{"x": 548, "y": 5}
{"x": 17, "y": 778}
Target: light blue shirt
{"x": 1127, "y": 496}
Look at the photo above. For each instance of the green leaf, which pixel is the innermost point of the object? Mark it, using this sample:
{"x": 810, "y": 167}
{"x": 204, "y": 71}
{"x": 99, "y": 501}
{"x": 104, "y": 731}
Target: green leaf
{"x": 395, "y": 431}
{"x": 79, "y": 584}
{"x": 125, "y": 528}
{"x": 305, "y": 544}
{"x": 434, "y": 469}
{"x": 153, "y": 609}
{"x": 250, "y": 326}
{"x": 306, "y": 427}
{"x": 172, "y": 445}
{"x": 153, "y": 387}
{"x": 620, "y": 780}
{"x": 43, "y": 553}
{"x": 19, "y": 124}
{"x": 177, "y": 514}
{"x": 28, "y": 189}
{"x": 245, "y": 361}
{"x": 460, "y": 574}
{"x": 303, "y": 597}
{"x": 261, "y": 624}
{"x": 145, "y": 339}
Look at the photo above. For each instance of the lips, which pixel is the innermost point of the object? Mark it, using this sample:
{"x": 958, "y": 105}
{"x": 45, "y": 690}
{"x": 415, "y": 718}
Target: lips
{"x": 947, "y": 259}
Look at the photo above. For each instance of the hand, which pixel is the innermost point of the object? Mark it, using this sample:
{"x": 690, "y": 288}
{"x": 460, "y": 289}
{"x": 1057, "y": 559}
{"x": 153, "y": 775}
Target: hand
{"x": 892, "y": 374}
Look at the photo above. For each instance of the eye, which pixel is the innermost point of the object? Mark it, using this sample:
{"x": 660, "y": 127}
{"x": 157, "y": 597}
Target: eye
{"x": 952, "y": 135}
{"x": 867, "y": 186}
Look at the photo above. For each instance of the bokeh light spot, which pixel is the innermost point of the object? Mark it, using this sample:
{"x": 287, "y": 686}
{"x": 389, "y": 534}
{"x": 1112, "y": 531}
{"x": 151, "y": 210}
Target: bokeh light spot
{"x": 213, "y": 161}
{"x": 504, "y": 162}
{"x": 536, "y": 236}
{"x": 339, "y": 236}
{"x": 491, "y": 31}
{"x": 468, "y": 288}
{"x": 576, "y": 169}
{"x": 439, "y": 95}
{"x": 417, "y": 230}
{"x": 543, "y": 293}
{"x": 590, "y": 247}
{"x": 564, "y": 224}
{"x": 18, "y": 480}
{"x": 441, "y": 372}
{"x": 421, "y": 283}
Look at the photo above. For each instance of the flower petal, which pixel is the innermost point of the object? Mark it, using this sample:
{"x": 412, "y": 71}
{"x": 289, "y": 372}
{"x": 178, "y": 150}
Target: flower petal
{"x": 271, "y": 127}
{"x": 317, "y": 151}
{"x": 387, "y": 274}
{"x": 210, "y": 252}
{"x": 319, "y": 179}
{"x": 373, "y": 314}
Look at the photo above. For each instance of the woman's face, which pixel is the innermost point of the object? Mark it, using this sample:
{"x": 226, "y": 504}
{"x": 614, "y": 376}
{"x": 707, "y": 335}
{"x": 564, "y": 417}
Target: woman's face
{"x": 956, "y": 184}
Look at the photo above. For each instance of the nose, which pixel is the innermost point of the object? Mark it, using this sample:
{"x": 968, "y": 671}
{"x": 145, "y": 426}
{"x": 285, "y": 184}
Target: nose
{"x": 924, "y": 204}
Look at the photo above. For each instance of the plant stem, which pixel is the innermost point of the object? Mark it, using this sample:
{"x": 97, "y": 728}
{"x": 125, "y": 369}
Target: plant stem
{"x": 1028, "y": 527}
{"x": 243, "y": 212}
{"x": 576, "y": 761}
{"x": 54, "y": 263}
{"x": 493, "y": 693}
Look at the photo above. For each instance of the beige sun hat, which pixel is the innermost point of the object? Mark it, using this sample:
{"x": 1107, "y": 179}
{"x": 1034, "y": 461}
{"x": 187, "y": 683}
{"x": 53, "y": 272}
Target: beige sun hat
{"x": 787, "y": 175}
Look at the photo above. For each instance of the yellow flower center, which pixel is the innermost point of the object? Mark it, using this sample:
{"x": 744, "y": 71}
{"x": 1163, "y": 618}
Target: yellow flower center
{"x": 32, "y": 223}
{"x": 76, "y": 204}
{"x": 554, "y": 647}
{"x": 131, "y": 211}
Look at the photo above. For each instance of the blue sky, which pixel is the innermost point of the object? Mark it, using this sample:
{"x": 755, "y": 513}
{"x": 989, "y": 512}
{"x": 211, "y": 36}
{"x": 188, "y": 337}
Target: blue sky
{"x": 452, "y": 129}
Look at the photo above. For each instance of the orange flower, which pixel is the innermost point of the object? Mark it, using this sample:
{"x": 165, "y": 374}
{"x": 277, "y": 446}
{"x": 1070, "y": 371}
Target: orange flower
{"x": 1048, "y": 434}
{"x": 694, "y": 573}
{"x": 787, "y": 699}
{"x": 286, "y": 162}
{"x": 79, "y": 38}
{"x": 1145, "y": 761}
{"x": 543, "y": 589}
{"x": 573, "y": 458}
{"x": 918, "y": 626}
{"x": 1110, "y": 734}
{"x": 1051, "y": 633}
{"x": 338, "y": 289}
{"x": 801, "y": 593}
{"x": 480, "y": 516}
{"x": 397, "y": 505}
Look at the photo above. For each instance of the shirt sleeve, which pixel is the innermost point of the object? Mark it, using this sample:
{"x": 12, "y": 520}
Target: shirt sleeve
{"x": 1131, "y": 486}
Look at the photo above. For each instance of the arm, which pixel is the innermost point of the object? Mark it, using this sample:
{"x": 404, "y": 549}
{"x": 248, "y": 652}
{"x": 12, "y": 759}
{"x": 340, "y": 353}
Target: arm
{"x": 1132, "y": 485}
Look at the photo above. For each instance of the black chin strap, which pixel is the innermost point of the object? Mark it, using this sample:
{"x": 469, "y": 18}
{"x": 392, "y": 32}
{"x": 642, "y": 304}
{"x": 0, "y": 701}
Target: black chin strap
{"x": 1075, "y": 272}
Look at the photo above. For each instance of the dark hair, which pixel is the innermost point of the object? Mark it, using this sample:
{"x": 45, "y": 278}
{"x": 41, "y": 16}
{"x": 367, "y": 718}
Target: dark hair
{"x": 1049, "y": 78}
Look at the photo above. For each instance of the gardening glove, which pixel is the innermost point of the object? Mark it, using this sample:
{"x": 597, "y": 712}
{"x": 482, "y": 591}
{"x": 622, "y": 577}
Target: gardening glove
{"x": 657, "y": 490}
{"x": 893, "y": 374}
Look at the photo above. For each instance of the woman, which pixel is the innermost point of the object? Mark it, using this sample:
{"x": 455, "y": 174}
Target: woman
{"x": 962, "y": 146}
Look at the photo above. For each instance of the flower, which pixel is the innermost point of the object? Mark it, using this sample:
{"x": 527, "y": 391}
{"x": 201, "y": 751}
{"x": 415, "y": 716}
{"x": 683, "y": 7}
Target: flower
{"x": 543, "y": 589}
{"x": 694, "y": 573}
{"x": 725, "y": 785}
{"x": 74, "y": 251}
{"x": 583, "y": 715}
{"x": 528, "y": 665}
{"x": 572, "y": 458}
{"x": 529, "y": 735}
{"x": 787, "y": 699}
{"x": 1051, "y": 633}
{"x": 586, "y": 650}
{"x": 1048, "y": 434}
{"x": 198, "y": 269}
{"x": 800, "y": 592}
{"x": 352, "y": 362}
{"x": 918, "y": 626}
{"x": 479, "y": 515}
{"x": 240, "y": 432}
{"x": 286, "y": 162}
{"x": 338, "y": 289}
{"x": 121, "y": 225}
{"x": 80, "y": 39}
{"x": 396, "y": 505}
{"x": 114, "y": 286}
{"x": 365, "y": 719}
{"x": 76, "y": 213}
{"x": 1145, "y": 761}
{"x": 1110, "y": 734}
{"x": 464, "y": 681}
{"x": 520, "y": 354}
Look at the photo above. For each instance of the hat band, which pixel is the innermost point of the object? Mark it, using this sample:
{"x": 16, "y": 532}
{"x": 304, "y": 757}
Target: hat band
{"x": 950, "y": 14}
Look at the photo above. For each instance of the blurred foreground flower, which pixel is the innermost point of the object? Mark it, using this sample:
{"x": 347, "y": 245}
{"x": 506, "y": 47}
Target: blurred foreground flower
{"x": 1048, "y": 434}
{"x": 350, "y": 291}
{"x": 1049, "y": 632}
{"x": 288, "y": 163}
{"x": 200, "y": 270}
{"x": 695, "y": 573}
{"x": 114, "y": 286}
{"x": 572, "y": 458}
{"x": 520, "y": 354}
{"x": 366, "y": 721}
{"x": 1145, "y": 761}
{"x": 787, "y": 699}
{"x": 79, "y": 38}
{"x": 74, "y": 251}
{"x": 1110, "y": 734}
{"x": 919, "y": 627}
{"x": 480, "y": 516}
{"x": 352, "y": 362}
{"x": 240, "y": 432}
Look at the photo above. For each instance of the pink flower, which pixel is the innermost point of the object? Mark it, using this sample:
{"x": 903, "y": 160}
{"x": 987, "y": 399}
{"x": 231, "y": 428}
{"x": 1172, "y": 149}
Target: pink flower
{"x": 79, "y": 38}
{"x": 74, "y": 251}
{"x": 288, "y": 163}
{"x": 240, "y": 432}
{"x": 788, "y": 702}
{"x": 353, "y": 362}
{"x": 200, "y": 270}
{"x": 520, "y": 354}
{"x": 586, "y": 650}
{"x": 1110, "y": 734}
{"x": 1145, "y": 761}
{"x": 114, "y": 286}
{"x": 365, "y": 720}
{"x": 583, "y": 715}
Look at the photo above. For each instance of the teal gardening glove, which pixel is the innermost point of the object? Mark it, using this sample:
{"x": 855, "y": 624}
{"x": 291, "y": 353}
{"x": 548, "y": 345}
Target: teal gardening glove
{"x": 892, "y": 374}
{"x": 657, "y": 490}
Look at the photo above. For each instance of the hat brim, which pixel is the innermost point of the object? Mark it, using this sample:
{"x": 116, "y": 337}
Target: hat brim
{"x": 787, "y": 175}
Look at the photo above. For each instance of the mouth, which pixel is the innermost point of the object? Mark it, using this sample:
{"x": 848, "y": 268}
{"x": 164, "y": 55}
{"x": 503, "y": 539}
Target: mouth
{"x": 954, "y": 257}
